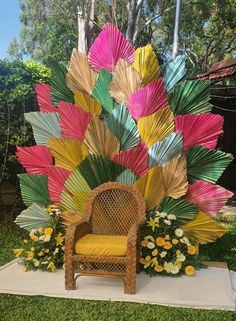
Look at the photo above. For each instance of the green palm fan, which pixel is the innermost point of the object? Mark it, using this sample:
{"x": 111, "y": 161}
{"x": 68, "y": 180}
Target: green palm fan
{"x": 173, "y": 71}
{"x": 182, "y": 209}
{"x": 206, "y": 164}
{"x": 34, "y": 189}
{"x": 191, "y": 97}
{"x": 59, "y": 89}
{"x": 34, "y": 216}
{"x": 45, "y": 126}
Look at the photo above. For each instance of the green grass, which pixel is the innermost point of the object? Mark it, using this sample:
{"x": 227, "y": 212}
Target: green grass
{"x": 38, "y": 308}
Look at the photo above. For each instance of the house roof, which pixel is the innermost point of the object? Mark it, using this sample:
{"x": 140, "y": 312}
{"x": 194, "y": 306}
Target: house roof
{"x": 220, "y": 69}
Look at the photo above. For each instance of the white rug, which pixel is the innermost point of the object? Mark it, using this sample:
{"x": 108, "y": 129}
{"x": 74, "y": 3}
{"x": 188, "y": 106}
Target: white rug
{"x": 211, "y": 288}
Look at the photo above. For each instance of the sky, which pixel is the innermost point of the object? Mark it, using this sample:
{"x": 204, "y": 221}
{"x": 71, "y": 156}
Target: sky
{"x": 9, "y": 24}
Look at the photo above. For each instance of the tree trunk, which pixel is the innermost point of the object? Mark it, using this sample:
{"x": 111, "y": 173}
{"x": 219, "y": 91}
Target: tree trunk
{"x": 134, "y": 8}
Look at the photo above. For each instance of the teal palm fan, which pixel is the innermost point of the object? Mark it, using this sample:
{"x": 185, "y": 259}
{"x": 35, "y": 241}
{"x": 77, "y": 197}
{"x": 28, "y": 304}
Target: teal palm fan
{"x": 117, "y": 116}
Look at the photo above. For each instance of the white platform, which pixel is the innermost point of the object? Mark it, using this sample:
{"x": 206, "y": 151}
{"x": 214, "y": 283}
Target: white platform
{"x": 211, "y": 288}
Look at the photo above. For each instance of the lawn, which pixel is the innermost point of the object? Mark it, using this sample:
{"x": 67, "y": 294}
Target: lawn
{"x": 25, "y": 308}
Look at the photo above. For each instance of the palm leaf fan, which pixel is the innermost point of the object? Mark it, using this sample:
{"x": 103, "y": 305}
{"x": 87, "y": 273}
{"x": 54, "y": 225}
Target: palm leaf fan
{"x": 45, "y": 126}
{"x": 43, "y": 95}
{"x": 191, "y": 97}
{"x": 206, "y": 164}
{"x": 174, "y": 175}
{"x": 97, "y": 170}
{"x": 100, "y": 140}
{"x": 135, "y": 159}
{"x": 73, "y": 120}
{"x": 204, "y": 229}
{"x": 146, "y": 63}
{"x": 126, "y": 177}
{"x": 56, "y": 182}
{"x": 147, "y": 100}
{"x": 35, "y": 159}
{"x": 173, "y": 71}
{"x": 201, "y": 129}
{"x": 68, "y": 153}
{"x": 87, "y": 103}
{"x": 69, "y": 217}
{"x": 109, "y": 46}
{"x": 126, "y": 80}
{"x": 156, "y": 127}
{"x": 151, "y": 187}
{"x": 210, "y": 198}
{"x": 123, "y": 127}
{"x": 182, "y": 209}
{"x": 34, "y": 189}
{"x": 164, "y": 151}
{"x": 101, "y": 91}
{"x": 76, "y": 183}
{"x": 59, "y": 89}
{"x": 80, "y": 76}
{"x": 75, "y": 203}
{"x": 33, "y": 217}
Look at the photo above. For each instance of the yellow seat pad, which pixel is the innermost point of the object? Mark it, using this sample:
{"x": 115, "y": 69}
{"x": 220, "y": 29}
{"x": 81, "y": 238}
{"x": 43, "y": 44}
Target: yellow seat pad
{"x": 102, "y": 245}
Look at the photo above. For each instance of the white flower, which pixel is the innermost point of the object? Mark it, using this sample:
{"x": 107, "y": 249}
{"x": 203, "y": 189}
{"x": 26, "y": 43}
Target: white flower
{"x": 163, "y": 214}
{"x": 36, "y": 263}
{"x": 181, "y": 257}
{"x": 32, "y": 232}
{"x": 56, "y": 251}
{"x": 171, "y": 217}
{"x": 175, "y": 270}
{"x": 44, "y": 262}
{"x": 179, "y": 232}
{"x": 146, "y": 265}
{"x": 167, "y": 222}
{"x": 41, "y": 238}
{"x": 149, "y": 237}
{"x": 163, "y": 254}
{"x": 168, "y": 267}
{"x": 157, "y": 213}
{"x": 150, "y": 245}
{"x": 47, "y": 238}
{"x": 185, "y": 240}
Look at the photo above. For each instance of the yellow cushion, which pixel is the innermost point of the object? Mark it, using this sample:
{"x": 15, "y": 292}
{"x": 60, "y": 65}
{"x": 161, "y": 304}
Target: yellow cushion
{"x": 101, "y": 245}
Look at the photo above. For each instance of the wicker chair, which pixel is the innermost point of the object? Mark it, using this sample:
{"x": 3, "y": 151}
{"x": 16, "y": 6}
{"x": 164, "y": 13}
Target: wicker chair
{"x": 112, "y": 209}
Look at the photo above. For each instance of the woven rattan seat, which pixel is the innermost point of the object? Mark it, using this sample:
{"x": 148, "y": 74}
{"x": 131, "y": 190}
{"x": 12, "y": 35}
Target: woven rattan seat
{"x": 112, "y": 209}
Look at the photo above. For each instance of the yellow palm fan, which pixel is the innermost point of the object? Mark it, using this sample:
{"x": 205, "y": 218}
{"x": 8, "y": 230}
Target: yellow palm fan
{"x": 69, "y": 217}
{"x": 175, "y": 177}
{"x": 100, "y": 140}
{"x": 74, "y": 202}
{"x": 156, "y": 127}
{"x": 80, "y": 76}
{"x": 151, "y": 186}
{"x": 87, "y": 103}
{"x": 125, "y": 81}
{"x": 68, "y": 153}
{"x": 146, "y": 63}
{"x": 204, "y": 229}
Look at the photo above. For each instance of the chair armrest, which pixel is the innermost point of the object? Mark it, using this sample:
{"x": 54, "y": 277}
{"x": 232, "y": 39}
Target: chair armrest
{"x": 74, "y": 232}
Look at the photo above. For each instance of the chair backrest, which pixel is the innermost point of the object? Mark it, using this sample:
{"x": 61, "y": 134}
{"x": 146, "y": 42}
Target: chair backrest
{"x": 114, "y": 208}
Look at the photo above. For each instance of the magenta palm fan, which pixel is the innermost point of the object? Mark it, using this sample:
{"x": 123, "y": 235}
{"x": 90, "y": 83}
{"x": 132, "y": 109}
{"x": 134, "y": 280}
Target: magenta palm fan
{"x": 117, "y": 116}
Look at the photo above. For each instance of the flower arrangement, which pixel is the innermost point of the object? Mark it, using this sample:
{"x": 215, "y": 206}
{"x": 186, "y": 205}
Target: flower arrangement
{"x": 44, "y": 247}
{"x": 165, "y": 248}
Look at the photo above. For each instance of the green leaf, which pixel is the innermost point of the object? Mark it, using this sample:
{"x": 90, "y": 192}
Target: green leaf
{"x": 33, "y": 217}
{"x": 206, "y": 164}
{"x": 101, "y": 91}
{"x": 45, "y": 126}
{"x": 191, "y": 97}
{"x": 173, "y": 71}
{"x": 127, "y": 177}
{"x": 60, "y": 91}
{"x": 34, "y": 189}
{"x": 182, "y": 209}
{"x": 122, "y": 125}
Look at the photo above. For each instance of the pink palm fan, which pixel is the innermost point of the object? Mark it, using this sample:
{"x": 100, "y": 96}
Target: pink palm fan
{"x": 108, "y": 48}
{"x": 43, "y": 94}
{"x": 56, "y": 182}
{"x": 35, "y": 159}
{"x": 211, "y": 198}
{"x": 203, "y": 129}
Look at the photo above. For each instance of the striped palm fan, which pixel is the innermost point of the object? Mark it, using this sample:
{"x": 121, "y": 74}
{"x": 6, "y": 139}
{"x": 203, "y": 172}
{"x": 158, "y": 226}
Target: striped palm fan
{"x": 117, "y": 115}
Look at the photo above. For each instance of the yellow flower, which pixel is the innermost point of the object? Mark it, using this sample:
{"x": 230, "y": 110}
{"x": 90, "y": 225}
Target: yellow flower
{"x": 40, "y": 230}
{"x": 51, "y": 266}
{"x": 175, "y": 241}
{"x": 25, "y": 241}
{"x": 59, "y": 239}
{"x": 144, "y": 243}
{"x": 189, "y": 270}
{"x": 36, "y": 262}
{"x": 160, "y": 241}
{"x": 178, "y": 252}
{"x": 158, "y": 268}
{"x": 17, "y": 252}
{"x": 155, "y": 252}
{"x": 30, "y": 256}
{"x": 63, "y": 248}
{"x": 34, "y": 238}
{"x": 46, "y": 251}
{"x": 167, "y": 245}
{"x": 40, "y": 253}
{"x": 148, "y": 258}
{"x": 24, "y": 268}
{"x": 142, "y": 260}
{"x": 153, "y": 223}
{"x": 32, "y": 249}
{"x": 178, "y": 264}
{"x": 192, "y": 250}
{"x": 153, "y": 262}
{"x": 48, "y": 231}
{"x": 167, "y": 237}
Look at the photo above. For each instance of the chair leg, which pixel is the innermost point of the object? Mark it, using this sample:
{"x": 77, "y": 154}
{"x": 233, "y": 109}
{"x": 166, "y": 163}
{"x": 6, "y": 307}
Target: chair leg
{"x": 69, "y": 276}
{"x": 130, "y": 278}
